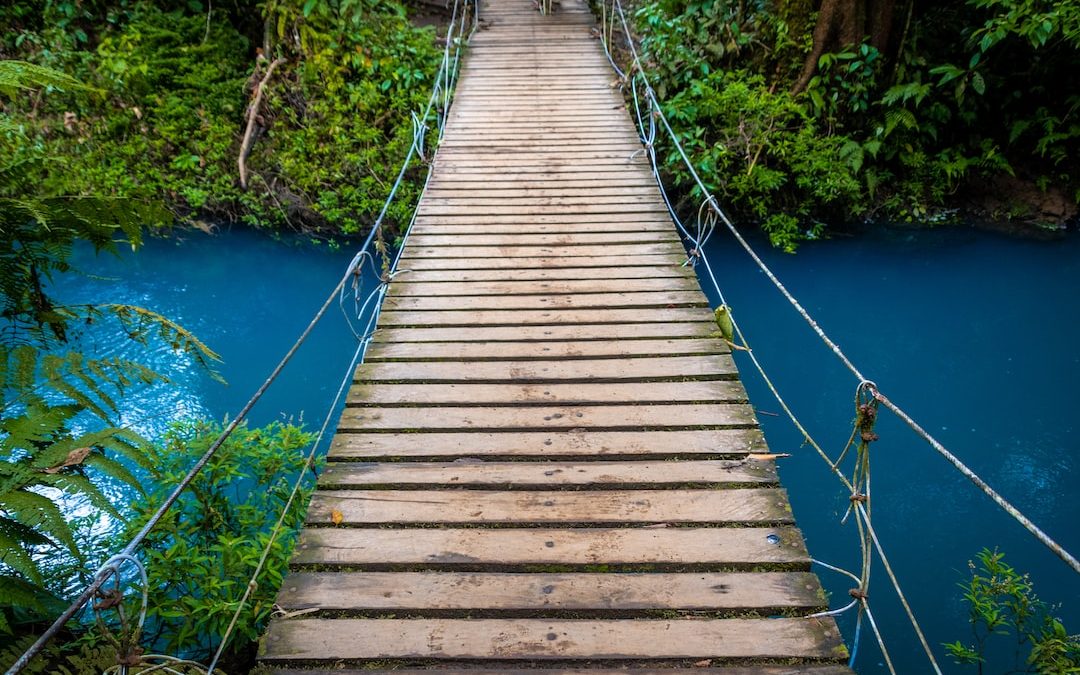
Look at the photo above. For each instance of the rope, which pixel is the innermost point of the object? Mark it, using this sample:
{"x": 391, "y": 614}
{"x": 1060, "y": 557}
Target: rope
{"x": 127, "y": 553}
{"x": 375, "y": 299}
{"x": 656, "y": 112}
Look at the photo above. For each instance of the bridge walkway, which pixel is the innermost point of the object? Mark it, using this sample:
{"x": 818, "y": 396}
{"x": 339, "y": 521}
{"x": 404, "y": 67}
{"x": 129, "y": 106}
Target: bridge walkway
{"x": 547, "y": 460}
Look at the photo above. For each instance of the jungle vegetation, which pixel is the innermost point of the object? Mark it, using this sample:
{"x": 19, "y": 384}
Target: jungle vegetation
{"x": 805, "y": 116}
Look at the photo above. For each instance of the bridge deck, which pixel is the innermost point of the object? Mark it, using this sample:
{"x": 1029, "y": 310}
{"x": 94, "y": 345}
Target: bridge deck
{"x": 547, "y": 461}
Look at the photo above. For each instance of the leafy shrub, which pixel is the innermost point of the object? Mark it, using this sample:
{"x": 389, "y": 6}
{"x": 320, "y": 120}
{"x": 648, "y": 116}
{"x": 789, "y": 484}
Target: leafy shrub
{"x": 1003, "y": 607}
{"x": 201, "y": 555}
{"x": 761, "y": 152}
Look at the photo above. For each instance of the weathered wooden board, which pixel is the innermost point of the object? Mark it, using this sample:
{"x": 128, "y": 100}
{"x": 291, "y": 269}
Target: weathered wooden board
{"x": 541, "y": 263}
{"x": 578, "y": 393}
{"x": 583, "y": 332}
{"x": 523, "y": 317}
{"x": 515, "y": 351}
{"x": 539, "y": 639}
{"x": 713, "y": 415}
{"x": 549, "y": 274}
{"x": 565, "y": 301}
{"x": 579, "y": 443}
{"x": 358, "y": 507}
{"x": 404, "y": 286}
{"x": 619, "y": 593}
{"x": 675, "y": 368}
{"x": 478, "y": 473}
{"x": 477, "y": 549}
{"x": 801, "y": 669}
{"x": 565, "y": 253}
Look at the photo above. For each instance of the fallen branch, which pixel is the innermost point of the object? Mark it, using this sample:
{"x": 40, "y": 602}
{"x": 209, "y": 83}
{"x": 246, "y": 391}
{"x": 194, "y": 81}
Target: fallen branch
{"x": 252, "y": 113}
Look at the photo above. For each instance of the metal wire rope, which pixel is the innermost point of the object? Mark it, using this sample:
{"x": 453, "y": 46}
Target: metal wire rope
{"x": 108, "y": 569}
{"x": 658, "y": 113}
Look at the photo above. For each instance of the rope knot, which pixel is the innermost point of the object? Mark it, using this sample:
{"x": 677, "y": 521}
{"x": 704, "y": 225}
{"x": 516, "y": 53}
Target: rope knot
{"x": 858, "y": 594}
{"x": 132, "y": 658}
{"x": 858, "y": 497}
{"x": 109, "y": 599}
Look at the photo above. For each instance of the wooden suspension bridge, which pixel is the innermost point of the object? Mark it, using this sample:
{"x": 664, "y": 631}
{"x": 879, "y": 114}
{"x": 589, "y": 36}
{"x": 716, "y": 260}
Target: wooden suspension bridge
{"x": 548, "y": 461}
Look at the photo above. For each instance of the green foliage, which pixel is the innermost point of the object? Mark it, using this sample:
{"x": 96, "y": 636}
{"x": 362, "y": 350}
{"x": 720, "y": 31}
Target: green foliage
{"x": 170, "y": 97}
{"x": 201, "y": 556}
{"x": 910, "y": 127}
{"x": 60, "y": 659}
{"x": 763, "y": 153}
{"x": 1003, "y": 607}
{"x": 59, "y": 441}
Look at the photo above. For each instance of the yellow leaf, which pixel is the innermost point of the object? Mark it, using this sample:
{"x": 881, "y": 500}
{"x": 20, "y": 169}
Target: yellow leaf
{"x": 336, "y": 517}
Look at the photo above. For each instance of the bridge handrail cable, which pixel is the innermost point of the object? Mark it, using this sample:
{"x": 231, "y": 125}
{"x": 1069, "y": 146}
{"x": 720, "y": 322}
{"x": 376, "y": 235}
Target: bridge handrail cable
{"x": 438, "y": 104}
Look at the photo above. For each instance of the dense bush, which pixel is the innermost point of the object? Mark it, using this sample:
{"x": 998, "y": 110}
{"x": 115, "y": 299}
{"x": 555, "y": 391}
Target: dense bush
{"x": 799, "y": 117}
{"x": 170, "y": 88}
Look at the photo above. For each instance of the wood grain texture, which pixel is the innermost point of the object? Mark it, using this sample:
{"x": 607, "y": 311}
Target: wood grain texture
{"x": 611, "y": 593}
{"x": 574, "y": 442}
{"x": 358, "y": 507}
{"x": 523, "y": 549}
{"x": 516, "y": 475}
{"x": 540, "y": 639}
{"x": 514, "y": 393}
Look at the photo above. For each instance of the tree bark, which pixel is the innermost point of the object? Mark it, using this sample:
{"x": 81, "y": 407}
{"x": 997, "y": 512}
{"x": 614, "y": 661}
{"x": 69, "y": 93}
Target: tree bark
{"x": 253, "y": 112}
{"x": 842, "y": 23}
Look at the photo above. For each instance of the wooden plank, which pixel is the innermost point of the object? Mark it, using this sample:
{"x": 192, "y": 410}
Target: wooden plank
{"x": 699, "y": 415}
{"x": 540, "y": 639}
{"x": 535, "y": 593}
{"x": 403, "y": 286}
{"x": 583, "y": 332}
{"x": 527, "y": 475}
{"x": 549, "y": 444}
{"x": 525, "y": 229}
{"x": 480, "y": 200}
{"x": 672, "y": 368}
{"x": 455, "y": 190}
{"x": 410, "y": 275}
{"x": 527, "y": 210}
{"x": 478, "y": 549}
{"x": 521, "y": 317}
{"x": 544, "y": 219}
{"x": 801, "y": 669}
{"x": 489, "y": 507}
{"x": 661, "y": 299}
{"x": 515, "y": 351}
{"x": 573, "y": 251}
{"x": 542, "y": 263}
{"x": 650, "y": 393}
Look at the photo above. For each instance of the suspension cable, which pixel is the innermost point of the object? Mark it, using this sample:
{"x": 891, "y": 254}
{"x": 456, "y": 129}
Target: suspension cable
{"x": 443, "y": 83}
{"x": 657, "y": 112}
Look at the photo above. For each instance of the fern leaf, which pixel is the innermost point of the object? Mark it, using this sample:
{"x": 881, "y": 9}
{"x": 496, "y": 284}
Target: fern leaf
{"x": 16, "y": 76}
{"x": 139, "y": 321}
{"x": 15, "y": 540}
{"x": 38, "y": 511}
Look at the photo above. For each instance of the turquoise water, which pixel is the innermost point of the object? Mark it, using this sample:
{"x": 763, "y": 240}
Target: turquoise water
{"x": 971, "y": 332}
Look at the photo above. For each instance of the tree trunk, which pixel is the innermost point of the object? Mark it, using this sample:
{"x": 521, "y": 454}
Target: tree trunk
{"x": 842, "y": 23}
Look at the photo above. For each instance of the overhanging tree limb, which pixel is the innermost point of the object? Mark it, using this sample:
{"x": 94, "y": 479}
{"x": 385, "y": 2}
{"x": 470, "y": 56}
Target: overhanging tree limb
{"x": 252, "y": 113}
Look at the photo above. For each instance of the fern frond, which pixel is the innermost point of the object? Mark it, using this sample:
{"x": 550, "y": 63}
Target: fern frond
{"x": 16, "y": 76}
{"x": 15, "y": 541}
{"x": 140, "y": 323}
{"x": 38, "y": 511}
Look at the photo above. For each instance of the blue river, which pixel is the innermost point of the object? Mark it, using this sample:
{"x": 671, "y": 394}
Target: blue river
{"x": 973, "y": 333}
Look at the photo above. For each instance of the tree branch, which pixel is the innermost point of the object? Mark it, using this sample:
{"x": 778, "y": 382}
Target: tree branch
{"x": 252, "y": 113}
